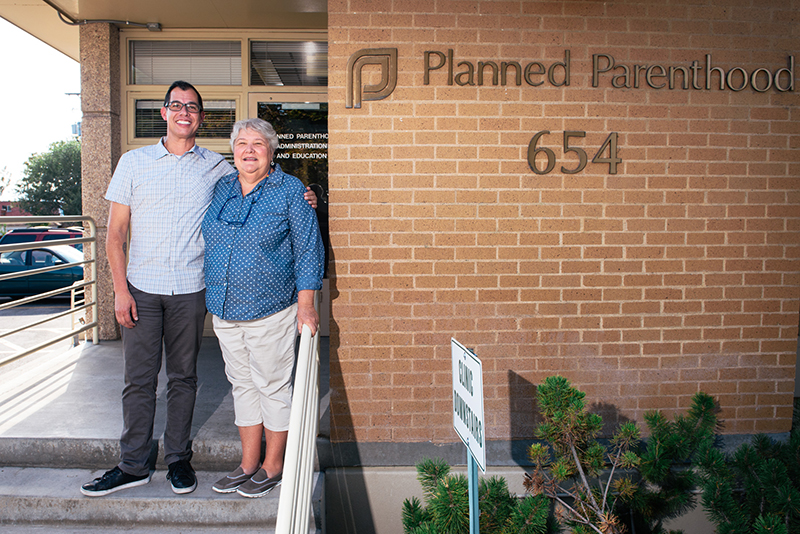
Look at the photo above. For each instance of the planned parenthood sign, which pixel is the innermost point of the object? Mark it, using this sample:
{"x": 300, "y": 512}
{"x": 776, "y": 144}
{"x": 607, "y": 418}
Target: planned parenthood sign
{"x": 468, "y": 420}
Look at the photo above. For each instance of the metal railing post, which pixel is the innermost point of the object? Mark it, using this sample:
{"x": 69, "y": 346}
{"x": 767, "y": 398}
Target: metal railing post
{"x": 93, "y": 287}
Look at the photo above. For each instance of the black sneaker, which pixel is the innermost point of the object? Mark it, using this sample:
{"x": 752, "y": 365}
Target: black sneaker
{"x": 181, "y": 476}
{"x": 112, "y": 481}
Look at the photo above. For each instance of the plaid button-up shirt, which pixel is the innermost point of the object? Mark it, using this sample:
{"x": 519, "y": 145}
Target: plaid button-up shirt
{"x": 168, "y": 196}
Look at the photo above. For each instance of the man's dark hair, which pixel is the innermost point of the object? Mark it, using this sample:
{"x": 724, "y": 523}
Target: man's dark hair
{"x": 183, "y": 86}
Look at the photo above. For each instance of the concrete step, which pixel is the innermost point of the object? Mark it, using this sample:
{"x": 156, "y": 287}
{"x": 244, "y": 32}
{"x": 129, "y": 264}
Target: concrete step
{"x": 207, "y": 455}
{"x": 41, "y": 498}
{"x": 169, "y": 529}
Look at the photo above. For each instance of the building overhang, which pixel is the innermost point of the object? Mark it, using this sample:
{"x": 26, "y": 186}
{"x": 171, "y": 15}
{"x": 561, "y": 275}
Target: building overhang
{"x": 41, "y": 18}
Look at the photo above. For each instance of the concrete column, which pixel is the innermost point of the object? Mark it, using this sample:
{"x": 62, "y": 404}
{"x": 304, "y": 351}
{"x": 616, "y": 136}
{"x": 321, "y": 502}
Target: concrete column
{"x": 101, "y": 146}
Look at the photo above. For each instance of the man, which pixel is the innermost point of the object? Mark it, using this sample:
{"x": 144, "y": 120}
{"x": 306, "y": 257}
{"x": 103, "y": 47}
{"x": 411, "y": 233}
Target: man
{"x": 161, "y": 192}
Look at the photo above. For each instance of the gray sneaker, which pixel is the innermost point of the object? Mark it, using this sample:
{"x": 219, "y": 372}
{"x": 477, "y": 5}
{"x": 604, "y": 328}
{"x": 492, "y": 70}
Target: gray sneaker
{"x": 231, "y": 481}
{"x": 259, "y": 484}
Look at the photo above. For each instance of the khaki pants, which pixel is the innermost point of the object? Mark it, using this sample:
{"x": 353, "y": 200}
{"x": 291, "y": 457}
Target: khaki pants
{"x": 259, "y": 357}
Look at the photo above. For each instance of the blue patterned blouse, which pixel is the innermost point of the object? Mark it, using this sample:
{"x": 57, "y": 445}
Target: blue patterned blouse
{"x": 261, "y": 249}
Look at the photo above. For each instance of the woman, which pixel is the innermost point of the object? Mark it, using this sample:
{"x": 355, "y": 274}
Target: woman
{"x": 264, "y": 259}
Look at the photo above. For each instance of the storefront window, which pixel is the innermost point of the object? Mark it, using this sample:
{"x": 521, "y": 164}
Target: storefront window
{"x": 291, "y": 63}
{"x": 197, "y": 62}
{"x": 218, "y": 122}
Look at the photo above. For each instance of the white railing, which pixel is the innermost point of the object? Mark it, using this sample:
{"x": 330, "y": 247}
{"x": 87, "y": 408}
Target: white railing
{"x": 294, "y": 507}
{"x": 83, "y": 294}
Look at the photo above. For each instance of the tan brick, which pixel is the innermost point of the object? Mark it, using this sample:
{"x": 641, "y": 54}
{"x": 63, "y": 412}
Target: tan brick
{"x": 683, "y": 258}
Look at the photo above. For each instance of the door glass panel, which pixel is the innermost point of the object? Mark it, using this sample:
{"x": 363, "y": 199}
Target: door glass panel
{"x": 42, "y": 258}
{"x": 40, "y": 283}
{"x": 302, "y": 128}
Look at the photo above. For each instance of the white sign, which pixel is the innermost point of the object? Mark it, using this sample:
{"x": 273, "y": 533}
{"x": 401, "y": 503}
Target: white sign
{"x": 468, "y": 401}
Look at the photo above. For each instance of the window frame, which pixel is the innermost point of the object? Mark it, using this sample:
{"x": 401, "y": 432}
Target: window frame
{"x": 207, "y": 142}
{"x": 239, "y": 94}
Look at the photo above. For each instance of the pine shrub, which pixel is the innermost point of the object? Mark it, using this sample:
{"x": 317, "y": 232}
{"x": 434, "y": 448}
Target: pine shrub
{"x": 446, "y": 507}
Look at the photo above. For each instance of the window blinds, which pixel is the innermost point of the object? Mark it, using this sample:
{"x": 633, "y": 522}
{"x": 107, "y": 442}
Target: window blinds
{"x": 197, "y": 62}
{"x": 218, "y": 123}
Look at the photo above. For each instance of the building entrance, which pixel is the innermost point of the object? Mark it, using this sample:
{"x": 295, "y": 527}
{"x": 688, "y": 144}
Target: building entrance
{"x": 301, "y": 121}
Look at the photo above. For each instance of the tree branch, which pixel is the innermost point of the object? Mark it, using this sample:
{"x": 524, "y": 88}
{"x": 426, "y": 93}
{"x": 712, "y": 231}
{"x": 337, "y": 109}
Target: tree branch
{"x": 610, "y": 478}
{"x": 580, "y": 518}
{"x": 583, "y": 476}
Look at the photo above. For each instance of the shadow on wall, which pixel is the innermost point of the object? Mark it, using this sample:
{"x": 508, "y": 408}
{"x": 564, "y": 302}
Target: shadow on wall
{"x": 344, "y": 512}
{"x": 524, "y": 417}
{"x": 612, "y": 417}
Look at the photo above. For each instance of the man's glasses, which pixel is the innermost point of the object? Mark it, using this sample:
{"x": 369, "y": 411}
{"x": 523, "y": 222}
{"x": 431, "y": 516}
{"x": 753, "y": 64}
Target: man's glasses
{"x": 176, "y": 106}
{"x": 237, "y": 221}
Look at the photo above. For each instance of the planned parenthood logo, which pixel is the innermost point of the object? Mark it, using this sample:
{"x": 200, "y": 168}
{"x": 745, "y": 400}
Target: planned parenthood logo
{"x": 386, "y": 58}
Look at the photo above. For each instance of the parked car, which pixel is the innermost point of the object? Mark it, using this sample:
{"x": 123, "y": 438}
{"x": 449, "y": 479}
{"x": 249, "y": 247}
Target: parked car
{"x": 40, "y": 233}
{"x": 26, "y": 260}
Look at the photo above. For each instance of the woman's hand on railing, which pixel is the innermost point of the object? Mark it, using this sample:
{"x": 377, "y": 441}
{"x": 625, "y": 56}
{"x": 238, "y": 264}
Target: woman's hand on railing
{"x": 306, "y": 313}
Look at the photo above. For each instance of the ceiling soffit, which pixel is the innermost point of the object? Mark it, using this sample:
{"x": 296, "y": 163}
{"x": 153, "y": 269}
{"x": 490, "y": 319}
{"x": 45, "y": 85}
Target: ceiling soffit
{"x": 42, "y": 21}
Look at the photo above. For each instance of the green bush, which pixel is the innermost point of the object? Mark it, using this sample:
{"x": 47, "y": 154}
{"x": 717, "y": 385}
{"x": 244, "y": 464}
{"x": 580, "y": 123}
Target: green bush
{"x": 665, "y": 465}
{"x": 757, "y": 490}
{"x": 625, "y": 485}
{"x": 446, "y": 508}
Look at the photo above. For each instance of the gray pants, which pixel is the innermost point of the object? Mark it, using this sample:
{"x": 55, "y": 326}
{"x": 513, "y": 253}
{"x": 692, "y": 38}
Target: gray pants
{"x": 177, "y": 320}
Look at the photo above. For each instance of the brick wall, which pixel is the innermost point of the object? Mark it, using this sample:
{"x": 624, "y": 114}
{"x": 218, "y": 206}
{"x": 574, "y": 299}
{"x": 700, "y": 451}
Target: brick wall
{"x": 677, "y": 274}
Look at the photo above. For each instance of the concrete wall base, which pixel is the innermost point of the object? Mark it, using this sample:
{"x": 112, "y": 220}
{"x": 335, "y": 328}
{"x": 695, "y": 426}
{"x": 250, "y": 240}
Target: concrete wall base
{"x": 369, "y": 500}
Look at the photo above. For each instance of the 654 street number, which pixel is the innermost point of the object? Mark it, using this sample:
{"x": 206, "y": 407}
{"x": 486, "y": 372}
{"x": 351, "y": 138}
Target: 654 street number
{"x": 535, "y": 152}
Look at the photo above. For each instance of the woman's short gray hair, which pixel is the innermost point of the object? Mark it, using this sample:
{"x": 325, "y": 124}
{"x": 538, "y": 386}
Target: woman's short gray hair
{"x": 261, "y": 126}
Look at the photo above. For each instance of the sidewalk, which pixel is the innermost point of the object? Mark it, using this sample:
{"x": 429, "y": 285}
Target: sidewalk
{"x": 60, "y": 421}
{"x": 70, "y": 404}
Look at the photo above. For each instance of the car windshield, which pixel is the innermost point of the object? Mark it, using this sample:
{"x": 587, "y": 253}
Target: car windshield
{"x": 9, "y": 239}
{"x": 71, "y": 254}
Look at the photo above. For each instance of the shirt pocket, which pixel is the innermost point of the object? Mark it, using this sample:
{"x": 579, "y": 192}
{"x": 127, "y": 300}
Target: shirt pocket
{"x": 153, "y": 191}
{"x": 201, "y": 188}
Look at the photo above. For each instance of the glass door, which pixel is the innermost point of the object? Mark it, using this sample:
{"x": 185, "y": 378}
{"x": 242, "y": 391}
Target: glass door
{"x": 301, "y": 121}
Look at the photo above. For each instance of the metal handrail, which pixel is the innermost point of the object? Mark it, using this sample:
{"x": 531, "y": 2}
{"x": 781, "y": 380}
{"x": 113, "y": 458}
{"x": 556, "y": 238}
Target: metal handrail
{"x": 294, "y": 507}
{"x": 40, "y": 270}
{"x": 30, "y": 245}
{"x": 87, "y": 288}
